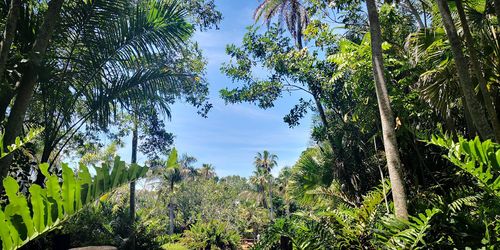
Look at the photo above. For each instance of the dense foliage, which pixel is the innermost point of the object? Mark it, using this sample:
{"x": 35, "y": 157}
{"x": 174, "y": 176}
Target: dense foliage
{"x": 404, "y": 150}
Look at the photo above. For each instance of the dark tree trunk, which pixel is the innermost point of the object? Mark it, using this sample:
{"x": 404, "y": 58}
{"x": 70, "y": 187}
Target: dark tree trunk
{"x": 8, "y": 37}
{"x": 40, "y": 178}
{"x": 271, "y": 208}
{"x": 171, "y": 210}
{"x": 476, "y": 110}
{"x": 28, "y": 81}
{"x": 324, "y": 120}
{"x": 132, "y": 186}
{"x": 478, "y": 71}
{"x": 386, "y": 115}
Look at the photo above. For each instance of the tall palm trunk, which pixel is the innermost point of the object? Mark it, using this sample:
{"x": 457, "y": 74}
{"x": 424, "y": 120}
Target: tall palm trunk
{"x": 171, "y": 210}
{"x": 8, "y": 37}
{"x": 474, "y": 106}
{"x": 28, "y": 81}
{"x": 271, "y": 209}
{"x": 386, "y": 115}
{"x": 132, "y": 186}
{"x": 478, "y": 71}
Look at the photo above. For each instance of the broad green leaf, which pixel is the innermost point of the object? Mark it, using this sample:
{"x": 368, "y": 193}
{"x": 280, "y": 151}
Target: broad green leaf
{"x": 68, "y": 189}
{"x": 5, "y": 235}
{"x": 38, "y": 206}
{"x": 17, "y": 204}
{"x": 21, "y": 221}
{"x": 172, "y": 159}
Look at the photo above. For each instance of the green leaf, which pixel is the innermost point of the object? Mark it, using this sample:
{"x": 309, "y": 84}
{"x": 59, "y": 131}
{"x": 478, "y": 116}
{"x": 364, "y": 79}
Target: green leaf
{"x": 38, "y": 206}
{"x": 18, "y": 206}
{"x": 68, "y": 189}
{"x": 172, "y": 159}
{"x": 21, "y": 221}
{"x": 5, "y": 232}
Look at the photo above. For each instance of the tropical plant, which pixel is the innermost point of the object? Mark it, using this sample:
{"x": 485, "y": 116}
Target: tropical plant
{"x": 207, "y": 171}
{"x": 473, "y": 206}
{"x": 265, "y": 162}
{"x": 211, "y": 235}
{"x": 291, "y": 12}
{"x": 25, "y": 88}
{"x": 386, "y": 114}
{"x": 475, "y": 108}
{"x": 479, "y": 159}
{"x": 22, "y": 220}
{"x": 18, "y": 142}
{"x": 135, "y": 73}
{"x": 406, "y": 234}
{"x": 174, "y": 246}
{"x": 171, "y": 175}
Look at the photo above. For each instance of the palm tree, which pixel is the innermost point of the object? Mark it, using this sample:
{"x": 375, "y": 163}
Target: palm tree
{"x": 259, "y": 180}
{"x": 130, "y": 49}
{"x": 475, "y": 108}
{"x": 132, "y": 184}
{"x": 478, "y": 71}
{"x": 296, "y": 18}
{"x": 207, "y": 171}
{"x": 386, "y": 115}
{"x": 188, "y": 171}
{"x": 310, "y": 172}
{"x": 130, "y": 55}
{"x": 284, "y": 181}
{"x": 172, "y": 175}
{"x": 292, "y": 12}
{"x": 266, "y": 161}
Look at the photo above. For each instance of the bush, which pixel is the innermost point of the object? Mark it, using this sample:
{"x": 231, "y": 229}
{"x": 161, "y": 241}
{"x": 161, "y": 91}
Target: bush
{"x": 214, "y": 234}
{"x": 174, "y": 246}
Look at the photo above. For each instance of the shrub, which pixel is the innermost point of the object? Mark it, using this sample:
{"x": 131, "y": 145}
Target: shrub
{"x": 214, "y": 234}
{"x": 174, "y": 246}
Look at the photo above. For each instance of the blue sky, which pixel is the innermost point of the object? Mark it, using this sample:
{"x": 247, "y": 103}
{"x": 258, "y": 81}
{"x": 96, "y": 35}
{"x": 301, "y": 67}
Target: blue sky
{"x": 232, "y": 134}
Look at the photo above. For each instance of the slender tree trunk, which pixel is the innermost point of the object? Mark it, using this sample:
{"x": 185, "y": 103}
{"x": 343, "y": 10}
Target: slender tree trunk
{"x": 287, "y": 203}
{"x": 171, "y": 210}
{"x": 28, "y": 80}
{"x": 470, "y": 128}
{"x": 271, "y": 209}
{"x": 324, "y": 120}
{"x": 8, "y": 37}
{"x": 478, "y": 71}
{"x": 40, "y": 178}
{"x": 415, "y": 14}
{"x": 263, "y": 198}
{"x": 474, "y": 106}
{"x": 386, "y": 115}
{"x": 132, "y": 186}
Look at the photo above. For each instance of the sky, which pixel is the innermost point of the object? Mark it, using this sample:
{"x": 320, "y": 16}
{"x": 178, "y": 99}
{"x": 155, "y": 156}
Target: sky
{"x": 232, "y": 134}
